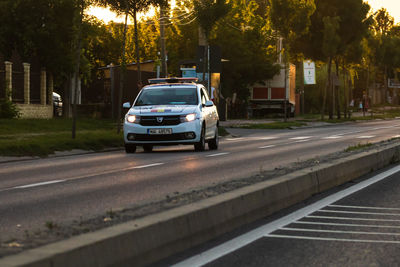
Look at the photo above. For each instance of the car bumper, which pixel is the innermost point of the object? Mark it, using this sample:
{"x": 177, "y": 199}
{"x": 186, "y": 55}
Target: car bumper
{"x": 183, "y": 133}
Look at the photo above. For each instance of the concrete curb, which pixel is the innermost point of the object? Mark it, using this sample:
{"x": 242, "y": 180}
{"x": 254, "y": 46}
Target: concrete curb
{"x": 149, "y": 239}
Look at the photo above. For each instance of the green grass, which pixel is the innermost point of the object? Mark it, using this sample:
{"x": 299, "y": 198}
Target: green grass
{"x": 44, "y": 137}
{"x": 357, "y": 147}
{"x": 24, "y": 126}
{"x": 272, "y": 125}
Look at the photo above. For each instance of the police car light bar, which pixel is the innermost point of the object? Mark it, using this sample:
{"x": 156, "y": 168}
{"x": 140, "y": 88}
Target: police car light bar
{"x": 172, "y": 80}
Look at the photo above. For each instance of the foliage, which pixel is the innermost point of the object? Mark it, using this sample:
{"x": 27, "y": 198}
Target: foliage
{"x": 8, "y": 110}
{"x": 272, "y": 125}
{"x": 357, "y": 147}
{"x": 382, "y": 22}
{"x": 291, "y": 18}
{"x": 181, "y": 35}
{"x": 208, "y": 12}
{"x": 100, "y": 47}
{"x": 38, "y": 28}
{"x": 252, "y": 57}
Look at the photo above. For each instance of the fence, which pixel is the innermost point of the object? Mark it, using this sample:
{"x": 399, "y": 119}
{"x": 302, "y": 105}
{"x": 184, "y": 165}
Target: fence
{"x": 29, "y": 90}
{"x": 18, "y": 86}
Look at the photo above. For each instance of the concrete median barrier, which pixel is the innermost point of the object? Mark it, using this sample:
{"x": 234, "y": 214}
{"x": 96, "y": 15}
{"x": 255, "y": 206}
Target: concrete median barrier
{"x": 151, "y": 238}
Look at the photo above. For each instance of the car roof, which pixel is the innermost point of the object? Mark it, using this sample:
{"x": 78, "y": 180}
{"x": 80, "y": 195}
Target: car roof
{"x": 170, "y": 85}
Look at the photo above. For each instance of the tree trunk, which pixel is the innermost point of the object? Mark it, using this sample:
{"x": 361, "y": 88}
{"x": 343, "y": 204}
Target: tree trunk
{"x": 77, "y": 67}
{"x": 139, "y": 74}
{"x": 330, "y": 88}
{"x": 346, "y": 99}
{"x": 205, "y": 57}
{"x": 122, "y": 75}
{"x": 337, "y": 89}
{"x": 327, "y": 88}
{"x": 385, "y": 82}
{"x": 302, "y": 87}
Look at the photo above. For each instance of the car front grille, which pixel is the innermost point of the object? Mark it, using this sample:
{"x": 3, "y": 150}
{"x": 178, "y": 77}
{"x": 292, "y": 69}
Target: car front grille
{"x": 160, "y": 137}
{"x": 159, "y": 120}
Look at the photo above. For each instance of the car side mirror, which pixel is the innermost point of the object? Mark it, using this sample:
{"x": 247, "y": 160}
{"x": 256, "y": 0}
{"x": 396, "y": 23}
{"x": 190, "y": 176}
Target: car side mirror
{"x": 209, "y": 103}
{"x": 126, "y": 105}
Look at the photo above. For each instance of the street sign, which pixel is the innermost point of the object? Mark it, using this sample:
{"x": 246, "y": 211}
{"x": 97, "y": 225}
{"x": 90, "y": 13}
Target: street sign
{"x": 309, "y": 72}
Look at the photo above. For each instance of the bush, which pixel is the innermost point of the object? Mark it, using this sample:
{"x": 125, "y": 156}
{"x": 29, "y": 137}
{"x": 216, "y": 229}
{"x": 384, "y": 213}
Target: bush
{"x": 8, "y": 110}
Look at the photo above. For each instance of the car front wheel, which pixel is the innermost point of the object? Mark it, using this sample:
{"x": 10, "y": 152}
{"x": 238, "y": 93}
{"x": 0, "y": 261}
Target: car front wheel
{"x": 148, "y": 148}
{"x": 130, "y": 148}
{"x": 213, "y": 143}
{"x": 201, "y": 145}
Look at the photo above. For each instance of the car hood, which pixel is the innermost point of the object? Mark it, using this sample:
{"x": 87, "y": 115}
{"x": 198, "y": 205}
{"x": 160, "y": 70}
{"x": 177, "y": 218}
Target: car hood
{"x": 163, "y": 110}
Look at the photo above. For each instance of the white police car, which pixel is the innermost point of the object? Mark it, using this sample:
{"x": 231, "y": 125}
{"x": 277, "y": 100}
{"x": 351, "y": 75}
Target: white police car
{"x": 171, "y": 111}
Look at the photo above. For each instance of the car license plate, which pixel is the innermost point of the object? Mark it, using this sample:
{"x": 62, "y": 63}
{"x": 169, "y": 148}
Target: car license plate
{"x": 160, "y": 131}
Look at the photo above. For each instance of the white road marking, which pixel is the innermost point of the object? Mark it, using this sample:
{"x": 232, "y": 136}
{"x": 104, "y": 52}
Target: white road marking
{"x": 337, "y": 231}
{"x": 362, "y": 207}
{"x": 216, "y": 155}
{"x": 38, "y": 184}
{"x": 332, "y": 137}
{"x": 300, "y": 138}
{"x": 301, "y": 141}
{"x": 245, "y": 239}
{"x": 267, "y": 146}
{"x": 266, "y": 138}
{"x": 351, "y": 218}
{"x": 360, "y": 212}
{"x": 349, "y": 225}
{"x": 145, "y": 166}
{"x": 335, "y": 239}
{"x": 350, "y": 132}
{"x": 365, "y": 136}
{"x": 80, "y": 177}
{"x": 235, "y": 139}
{"x": 385, "y": 127}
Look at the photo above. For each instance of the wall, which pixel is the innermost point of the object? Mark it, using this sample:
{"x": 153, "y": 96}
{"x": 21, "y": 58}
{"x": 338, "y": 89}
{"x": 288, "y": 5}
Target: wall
{"x": 35, "y": 111}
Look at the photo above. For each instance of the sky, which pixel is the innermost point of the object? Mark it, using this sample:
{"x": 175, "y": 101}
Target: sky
{"x": 392, "y": 6}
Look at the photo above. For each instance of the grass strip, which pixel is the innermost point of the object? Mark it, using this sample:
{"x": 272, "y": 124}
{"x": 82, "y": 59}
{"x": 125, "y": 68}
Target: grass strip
{"x": 357, "y": 147}
{"x": 25, "y": 126}
{"x": 271, "y": 125}
{"x": 46, "y": 144}
{"x": 42, "y": 137}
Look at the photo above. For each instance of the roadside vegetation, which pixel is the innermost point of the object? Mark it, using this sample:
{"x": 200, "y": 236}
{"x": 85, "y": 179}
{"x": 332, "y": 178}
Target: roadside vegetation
{"x": 35, "y": 137}
{"x": 357, "y": 147}
{"x": 39, "y": 137}
{"x": 272, "y": 125}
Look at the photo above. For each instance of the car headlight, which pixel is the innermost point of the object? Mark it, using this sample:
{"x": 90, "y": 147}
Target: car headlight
{"x": 133, "y": 118}
{"x": 188, "y": 117}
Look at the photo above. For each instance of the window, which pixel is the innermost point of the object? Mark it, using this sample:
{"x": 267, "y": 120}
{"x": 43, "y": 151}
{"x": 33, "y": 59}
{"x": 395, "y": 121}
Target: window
{"x": 167, "y": 96}
{"x": 204, "y": 96}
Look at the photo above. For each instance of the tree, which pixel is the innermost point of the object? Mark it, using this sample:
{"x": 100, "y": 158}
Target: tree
{"x": 291, "y": 19}
{"x": 252, "y": 57}
{"x": 132, "y": 7}
{"x": 350, "y": 21}
{"x": 129, "y": 7}
{"x": 383, "y": 22}
{"x": 208, "y": 12}
{"x": 40, "y": 29}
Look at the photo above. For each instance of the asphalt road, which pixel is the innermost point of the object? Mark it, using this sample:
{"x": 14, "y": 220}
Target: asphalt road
{"x": 358, "y": 225}
{"x": 62, "y": 189}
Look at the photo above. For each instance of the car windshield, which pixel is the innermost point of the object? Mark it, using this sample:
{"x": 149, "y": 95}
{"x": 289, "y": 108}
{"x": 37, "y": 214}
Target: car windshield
{"x": 168, "y": 96}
